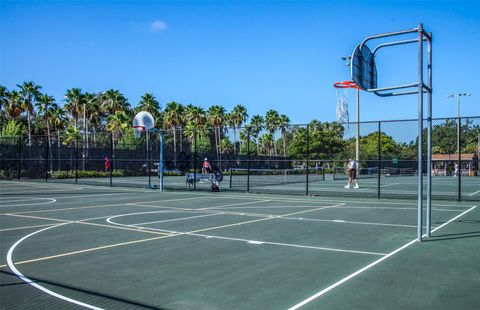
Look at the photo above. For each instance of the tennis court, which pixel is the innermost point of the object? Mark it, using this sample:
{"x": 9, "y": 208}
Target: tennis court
{"x": 69, "y": 246}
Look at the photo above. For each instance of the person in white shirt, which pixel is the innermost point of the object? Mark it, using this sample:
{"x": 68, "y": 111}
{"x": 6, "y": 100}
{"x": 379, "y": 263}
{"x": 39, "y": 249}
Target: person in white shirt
{"x": 352, "y": 173}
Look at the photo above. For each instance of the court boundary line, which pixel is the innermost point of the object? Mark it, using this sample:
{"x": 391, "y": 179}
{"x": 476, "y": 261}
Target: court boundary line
{"x": 25, "y": 227}
{"x": 349, "y": 277}
{"x": 51, "y": 200}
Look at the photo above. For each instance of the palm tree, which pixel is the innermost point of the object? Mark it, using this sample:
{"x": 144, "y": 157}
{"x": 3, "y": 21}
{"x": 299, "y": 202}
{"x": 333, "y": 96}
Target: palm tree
{"x": 216, "y": 117}
{"x": 117, "y": 123}
{"x": 267, "y": 143}
{"x": 13, "y": 107}
{"x": 271, "y": 120}
{"x": 3, "y": 102}
{"x": 239, "y": 114}
{"x": 195, "y": 121}
{"x": 94, "y": 117}
{"x": 172, "y": 120}
{"x": 230, "y": 122}
{"x": 29, "y": 91}
{"x": 113, "y": 101}
{"x": 150, "y": 104}
{"x": 43, "y": 105}
{"x": 73, "y": 101}
{"x": 283, "y": 123}
{"x": 256, "y": 123}
{"x": 226, "y": 145}
{"x": 71, "y": 135}
{"x": 195, "y": 115}
{"x": 58, "y": 120}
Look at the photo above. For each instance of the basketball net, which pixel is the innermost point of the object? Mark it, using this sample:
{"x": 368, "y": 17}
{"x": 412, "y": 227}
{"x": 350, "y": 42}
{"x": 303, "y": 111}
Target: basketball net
{"x": 138, "y": 130}
{"x": 342, "y": 105}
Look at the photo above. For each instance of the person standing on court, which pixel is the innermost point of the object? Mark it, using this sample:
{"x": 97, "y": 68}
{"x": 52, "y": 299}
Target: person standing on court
{"x": 352, "y": 173}
{"x": 108, "y": 165}
{"x": 206, "y": 167}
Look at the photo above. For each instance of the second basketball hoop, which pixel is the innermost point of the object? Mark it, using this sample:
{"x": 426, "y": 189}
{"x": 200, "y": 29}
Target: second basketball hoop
{"x": 342, "y": 99}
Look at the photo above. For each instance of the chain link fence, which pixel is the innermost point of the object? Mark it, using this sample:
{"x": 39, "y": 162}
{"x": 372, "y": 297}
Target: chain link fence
{"x": 295, "y": 159}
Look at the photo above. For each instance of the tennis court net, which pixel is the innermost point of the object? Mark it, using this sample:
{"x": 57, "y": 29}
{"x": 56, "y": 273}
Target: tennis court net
{"x": 241, "y": 177}
{"x": 340, "y": 173}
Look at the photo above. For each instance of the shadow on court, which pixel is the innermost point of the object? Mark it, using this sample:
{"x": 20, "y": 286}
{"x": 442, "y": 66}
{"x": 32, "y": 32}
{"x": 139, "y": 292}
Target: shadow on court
{"x": 108, "y": 301}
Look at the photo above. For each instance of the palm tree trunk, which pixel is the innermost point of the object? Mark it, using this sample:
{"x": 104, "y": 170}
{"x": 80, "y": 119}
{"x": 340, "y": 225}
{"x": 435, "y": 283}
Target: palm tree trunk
{"x": 234, "y": 140}
{"x": 180, "y": 130}
{"x": 49, "y": 142}
{"x": 216, "y": 141}
{"x": 58, "y": 149}
{"x": 284, "y": 145}
{"x": 174, "y": 147}
{"x": 29, "y": 129}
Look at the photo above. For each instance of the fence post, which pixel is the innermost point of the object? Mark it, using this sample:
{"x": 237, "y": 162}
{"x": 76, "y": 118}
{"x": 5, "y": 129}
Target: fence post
{"x": 47, "y": 150}
{"x": 459, "y": 137}
{"x": 194, "y": 162}
{"x": 76, "y": 160}
{"x": 248, "y": 161}
{"x": 19, "y": 159}
{"x": 111, "y": 157}
{"x": 379, "y": 158}
{"x": 307, "y": 162}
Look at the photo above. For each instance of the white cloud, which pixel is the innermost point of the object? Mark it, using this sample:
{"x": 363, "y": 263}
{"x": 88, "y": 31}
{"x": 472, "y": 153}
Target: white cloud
{"x": 158, "y": 25}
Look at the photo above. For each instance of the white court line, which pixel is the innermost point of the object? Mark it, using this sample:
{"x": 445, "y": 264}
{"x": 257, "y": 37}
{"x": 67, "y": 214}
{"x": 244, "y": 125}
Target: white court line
{"x": 32, "y": 283}
{"x": 235, "y": 204}
{"x": 474, "y": 193}
{"x": 394, "y": 208}
{"x": 176, "y": 219}
{"x": 321, "y": 199}
{"x": 26, "y": 227}
{"x": 347, "y": 207}
{"x": 51, "y": 200}
{"x": 19, "y": 198}
{"x": 47, "y": 191}
{"x": 177, "y": 233}
{"x": 331, "y": 287}
{"x": 352, "y": 222}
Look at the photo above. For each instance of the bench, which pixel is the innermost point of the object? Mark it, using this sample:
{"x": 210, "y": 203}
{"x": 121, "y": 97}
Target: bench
{"x": 191, "y": 178}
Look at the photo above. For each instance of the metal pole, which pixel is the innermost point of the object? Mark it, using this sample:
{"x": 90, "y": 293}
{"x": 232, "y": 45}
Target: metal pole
{"x": 111, "y": 159}
{"x": 84, "y": 135}
{"x": 379, "y": 159}
{"x": 76, "y": 160}
{"x": 420, "y": 133}
{"x": 459, "y": 158}
{"x": 161, "y": 165}
{"x": 306, "y": 172}
{"x": 357, "y": 142}
{"x": 147, "y": 136}
{"x": 429, "y": 141}
{"x": 46, "y": 162}
{"x": 19, "y": 162}
{"x": 194, "y": 161}
{"x": 248, "y": 161}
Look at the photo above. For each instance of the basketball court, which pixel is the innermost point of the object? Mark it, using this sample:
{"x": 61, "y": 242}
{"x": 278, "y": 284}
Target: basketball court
{"x": 68, "y": 245}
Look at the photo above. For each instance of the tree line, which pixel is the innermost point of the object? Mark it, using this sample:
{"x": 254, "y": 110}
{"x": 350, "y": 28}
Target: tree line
{"x": 28, "y": 111}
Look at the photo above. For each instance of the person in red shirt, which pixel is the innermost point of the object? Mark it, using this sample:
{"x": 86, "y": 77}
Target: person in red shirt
{"x": 206, "y": 167}
{"x": 107, "y": 164}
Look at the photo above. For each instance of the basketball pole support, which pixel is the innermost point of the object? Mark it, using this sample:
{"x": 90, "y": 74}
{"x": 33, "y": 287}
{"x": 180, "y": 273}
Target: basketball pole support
{"x": 160, "y": 164}
{"x": 421, "y": 89}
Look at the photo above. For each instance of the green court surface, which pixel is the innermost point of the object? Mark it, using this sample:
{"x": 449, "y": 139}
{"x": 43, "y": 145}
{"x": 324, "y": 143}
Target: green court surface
{"x": 66, "y": 246}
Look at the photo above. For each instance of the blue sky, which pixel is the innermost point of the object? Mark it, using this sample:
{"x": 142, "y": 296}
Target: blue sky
{"x": 283, "y": 55}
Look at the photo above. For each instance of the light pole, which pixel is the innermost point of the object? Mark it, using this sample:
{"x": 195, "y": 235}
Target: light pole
{"x": 457, "y": 96}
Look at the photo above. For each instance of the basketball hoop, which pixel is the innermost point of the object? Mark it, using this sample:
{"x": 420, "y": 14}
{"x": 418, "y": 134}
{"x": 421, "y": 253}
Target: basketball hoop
{"x": 138, "y": 130}
{"x": 342, "y": 99}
